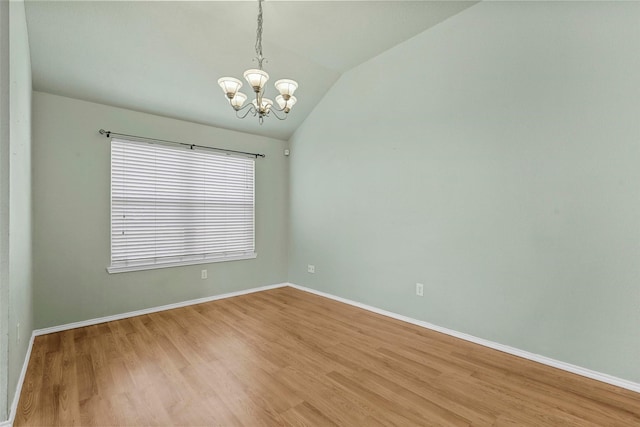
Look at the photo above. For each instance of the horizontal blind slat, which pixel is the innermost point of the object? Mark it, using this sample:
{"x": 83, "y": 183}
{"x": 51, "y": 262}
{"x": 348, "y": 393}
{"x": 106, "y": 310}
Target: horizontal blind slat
{"x": 170, "y": 204}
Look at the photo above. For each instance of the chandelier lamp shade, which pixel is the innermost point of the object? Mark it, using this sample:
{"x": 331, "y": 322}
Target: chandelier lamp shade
{"x": 257, "y": 78}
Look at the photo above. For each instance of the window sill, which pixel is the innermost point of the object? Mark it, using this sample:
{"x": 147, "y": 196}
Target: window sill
{"x": 128, "y": 268}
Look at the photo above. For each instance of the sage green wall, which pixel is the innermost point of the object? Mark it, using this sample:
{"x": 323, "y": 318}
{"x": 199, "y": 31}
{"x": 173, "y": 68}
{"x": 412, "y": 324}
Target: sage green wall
{"x": 19, "y": 198}
{"x": 20, "y": 251}
{"x": 4, "y": 208}
{"x": 72, "y": 207}
{"x": 494, "y": 158}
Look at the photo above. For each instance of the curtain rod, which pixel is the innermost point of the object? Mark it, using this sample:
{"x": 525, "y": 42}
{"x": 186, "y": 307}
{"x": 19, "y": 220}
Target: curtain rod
{"x": 108, "y": 134}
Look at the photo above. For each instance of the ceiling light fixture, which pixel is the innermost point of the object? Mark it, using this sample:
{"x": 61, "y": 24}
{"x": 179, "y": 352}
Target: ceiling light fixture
{"x": 257, "y": 78}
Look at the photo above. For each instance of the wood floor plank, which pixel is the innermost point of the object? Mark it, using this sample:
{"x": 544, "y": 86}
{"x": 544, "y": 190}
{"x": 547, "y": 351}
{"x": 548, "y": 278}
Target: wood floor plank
{"x": 345, "y": 409}
{"x": 31, "y": 389}
{"x": 287, "y": 357}
{"x": 306, "y": 415}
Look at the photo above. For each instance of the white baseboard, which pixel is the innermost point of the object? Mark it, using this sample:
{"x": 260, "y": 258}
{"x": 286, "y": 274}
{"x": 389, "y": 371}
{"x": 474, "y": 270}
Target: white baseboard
{"x": 609, "y": 379}
{"x": 16, "y": 396}
{"x": 629, "y": 385}
{"x": 37, "y": 332}
{"x": 99, "y": 320}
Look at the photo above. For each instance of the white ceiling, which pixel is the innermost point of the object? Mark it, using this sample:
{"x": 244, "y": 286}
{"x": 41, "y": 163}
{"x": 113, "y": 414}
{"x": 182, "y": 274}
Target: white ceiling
{"x": 165, "y": 57}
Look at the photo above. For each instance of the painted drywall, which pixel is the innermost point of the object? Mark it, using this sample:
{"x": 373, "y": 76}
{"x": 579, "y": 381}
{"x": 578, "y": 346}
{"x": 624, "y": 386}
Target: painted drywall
{"x": 4, "y": 208}
{"x": 71, "y": 184}
{"x": 19, "y": 253}
{"x": 493, "y": 158}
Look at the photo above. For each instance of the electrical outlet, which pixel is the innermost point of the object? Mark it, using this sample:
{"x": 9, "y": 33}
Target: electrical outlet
{"x": 311, "y": 268}
{"x": 419, "y": 289}
{"x": 203, "y": 274}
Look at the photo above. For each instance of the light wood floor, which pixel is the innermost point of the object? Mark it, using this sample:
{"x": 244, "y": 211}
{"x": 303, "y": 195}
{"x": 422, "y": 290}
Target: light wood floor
{"x": 286, "y": 357}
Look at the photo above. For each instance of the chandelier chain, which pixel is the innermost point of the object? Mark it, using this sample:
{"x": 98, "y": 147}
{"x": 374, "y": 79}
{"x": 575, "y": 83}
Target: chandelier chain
{"x": 260, "y": 58}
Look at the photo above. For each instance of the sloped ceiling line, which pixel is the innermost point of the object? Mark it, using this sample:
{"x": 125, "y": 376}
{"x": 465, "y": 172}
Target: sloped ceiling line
{"x": 165, "y": 57}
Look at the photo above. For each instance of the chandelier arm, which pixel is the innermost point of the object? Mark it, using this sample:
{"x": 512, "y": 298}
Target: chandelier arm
{"x": 244, "y": 107}
{"x": 273, "y": 110}
{"x": 277, "y": 109}
{"x": 250, "y": 110}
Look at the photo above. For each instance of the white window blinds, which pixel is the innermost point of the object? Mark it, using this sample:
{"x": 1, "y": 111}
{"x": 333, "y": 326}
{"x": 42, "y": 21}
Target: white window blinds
{"x": 174, "y": 206}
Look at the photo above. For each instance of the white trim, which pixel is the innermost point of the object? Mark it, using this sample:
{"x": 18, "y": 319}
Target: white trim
{"x": 38, "y": 332}
{"x": 609, "y": 379}
{"x": 605, "y": 378}
{"x": 16, "y": 396}
{"x": 98, "y": 320}
{"x": 128, "y": 268}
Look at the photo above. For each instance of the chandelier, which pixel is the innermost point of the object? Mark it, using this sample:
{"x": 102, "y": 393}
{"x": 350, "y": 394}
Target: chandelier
{"x": 257, "y": 78}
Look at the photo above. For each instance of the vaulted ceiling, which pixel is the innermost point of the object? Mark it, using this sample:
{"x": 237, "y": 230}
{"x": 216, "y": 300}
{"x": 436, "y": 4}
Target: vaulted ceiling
{"x": 165, "y": 57}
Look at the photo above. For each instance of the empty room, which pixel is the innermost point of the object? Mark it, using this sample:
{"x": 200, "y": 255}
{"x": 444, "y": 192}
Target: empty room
{"x": 319, "y": 213}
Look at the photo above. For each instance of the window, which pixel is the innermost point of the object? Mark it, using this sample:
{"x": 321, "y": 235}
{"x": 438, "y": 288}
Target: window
{"x": 177, "y": 206}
